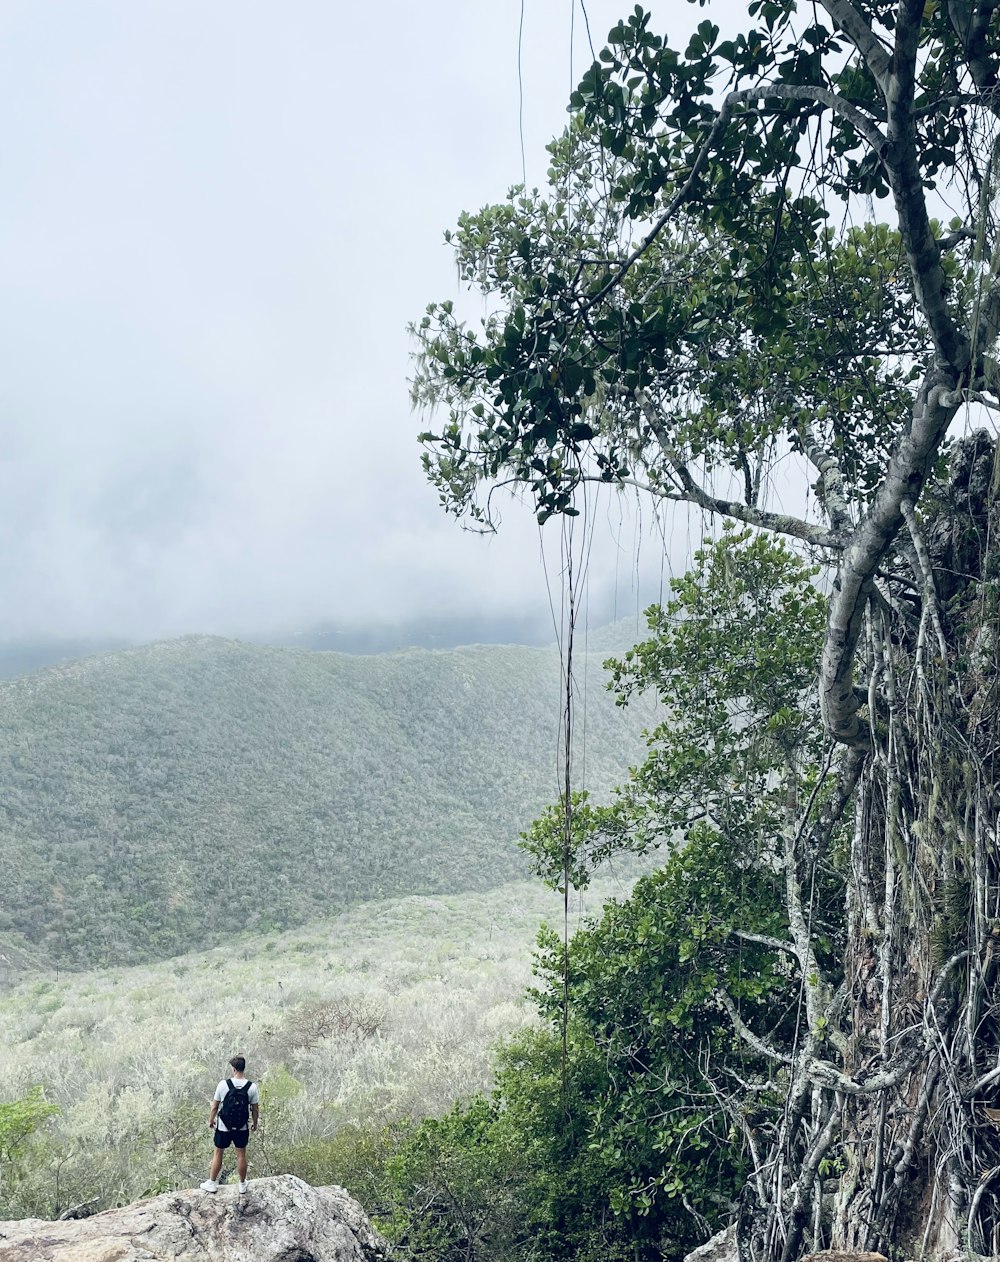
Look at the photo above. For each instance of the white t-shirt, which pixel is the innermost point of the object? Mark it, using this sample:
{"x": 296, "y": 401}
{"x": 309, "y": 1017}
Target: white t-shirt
{"x": 222, "y": 1090}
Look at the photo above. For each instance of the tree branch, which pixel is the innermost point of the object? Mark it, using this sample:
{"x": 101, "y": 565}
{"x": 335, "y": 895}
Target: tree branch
{"x": 909, "y": 466}
{"x": 970, "y": 20}
{"x": 765, "y": 939}
{"x": 675, "y": 203}
{"x": 906, "y": 179}
{"x": 977, "y": 396}
{"x": 691, "y": 492}
{"x": 925, "y": 573}
{"x": 745, "y": 1033}
{"x": 806, "y": 1180}
{"x": 800, "y": 92}
{"x": 933, "y": 409}
{"x": 822, "y": 96}
{"x": 828, "y": 467}
{"x": 816, "y": 990}
{"x": 985, "y": 1081}
{"x": 861, "y": 36}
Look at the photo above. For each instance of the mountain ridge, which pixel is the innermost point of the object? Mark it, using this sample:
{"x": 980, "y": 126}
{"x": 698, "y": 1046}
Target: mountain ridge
{"x": 160, "y": 797}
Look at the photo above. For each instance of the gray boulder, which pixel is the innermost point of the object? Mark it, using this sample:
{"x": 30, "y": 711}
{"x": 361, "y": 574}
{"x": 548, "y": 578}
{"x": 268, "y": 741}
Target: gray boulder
{"x": 277, "y": 1220}
{"x": 721, "y": 1248}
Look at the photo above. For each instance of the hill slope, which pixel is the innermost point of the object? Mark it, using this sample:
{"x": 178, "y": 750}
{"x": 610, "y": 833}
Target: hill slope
{"x": 390, "y": 1010}
{"x": 162, "y": 798}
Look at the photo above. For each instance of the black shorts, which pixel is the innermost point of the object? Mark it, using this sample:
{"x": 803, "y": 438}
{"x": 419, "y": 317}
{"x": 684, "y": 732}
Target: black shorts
{"x": 238, "y": 1139}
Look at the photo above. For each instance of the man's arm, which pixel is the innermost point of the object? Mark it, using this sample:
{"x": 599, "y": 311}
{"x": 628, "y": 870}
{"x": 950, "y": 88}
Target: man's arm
{"x": 255, "y": 1112}
{"x": 213, "y": 1114}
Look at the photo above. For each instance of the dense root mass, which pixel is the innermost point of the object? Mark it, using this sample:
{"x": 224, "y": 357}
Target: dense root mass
{"x": 887, "y": 1125}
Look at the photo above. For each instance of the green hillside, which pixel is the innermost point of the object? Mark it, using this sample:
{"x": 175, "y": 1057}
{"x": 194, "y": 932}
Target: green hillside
{"x": 162, "y": 798}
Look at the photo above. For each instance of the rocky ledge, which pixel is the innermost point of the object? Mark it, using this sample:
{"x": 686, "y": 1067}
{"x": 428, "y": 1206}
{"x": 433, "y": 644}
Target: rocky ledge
{"x": 723, "y": 1248}
{"x": 277, "y": 1220}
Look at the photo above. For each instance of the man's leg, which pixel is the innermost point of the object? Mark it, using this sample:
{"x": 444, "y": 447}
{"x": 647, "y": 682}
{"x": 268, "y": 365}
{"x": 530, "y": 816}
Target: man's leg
{"x": 212, "y": 1182}
{"x": 241, "y": 1164}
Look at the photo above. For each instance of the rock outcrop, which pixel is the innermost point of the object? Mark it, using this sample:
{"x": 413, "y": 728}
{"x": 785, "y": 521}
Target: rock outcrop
{"x": 277, "y": 1220}
{"x": 723, "y": 1248}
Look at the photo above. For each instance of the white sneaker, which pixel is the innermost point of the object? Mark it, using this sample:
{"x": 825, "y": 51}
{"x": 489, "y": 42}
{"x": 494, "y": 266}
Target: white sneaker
{"x": 210, "y": 1185}
{"x": 243, "y": 1188}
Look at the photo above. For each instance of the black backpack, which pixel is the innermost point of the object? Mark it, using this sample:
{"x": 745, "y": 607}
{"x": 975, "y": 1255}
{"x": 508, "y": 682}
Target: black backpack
{"x": 235, "y": 1112}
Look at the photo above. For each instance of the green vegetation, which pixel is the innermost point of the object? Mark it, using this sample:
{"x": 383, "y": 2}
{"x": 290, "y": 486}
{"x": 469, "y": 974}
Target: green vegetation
{"x": 701, "y": 298}
{"x": 353, "y": 1026}
{"x": 789, "y": 1026}
{"x": 145, "y": 789}
{"x": 626, "y": 1126}
{"x": 19, "y": 1120}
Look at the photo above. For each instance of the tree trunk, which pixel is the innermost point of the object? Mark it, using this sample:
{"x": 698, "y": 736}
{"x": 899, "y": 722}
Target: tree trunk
{"x": 884, "y": 1126}
{"x": 918, "y": 1155}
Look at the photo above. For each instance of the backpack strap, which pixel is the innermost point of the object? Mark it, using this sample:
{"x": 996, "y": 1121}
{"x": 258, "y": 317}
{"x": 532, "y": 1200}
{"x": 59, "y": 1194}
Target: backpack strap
{"x": 229, "y": 1084}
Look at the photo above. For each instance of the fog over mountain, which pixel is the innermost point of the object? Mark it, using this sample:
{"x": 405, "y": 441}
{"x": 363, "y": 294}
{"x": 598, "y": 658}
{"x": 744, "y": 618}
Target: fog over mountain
{"x": 216, "y": 223}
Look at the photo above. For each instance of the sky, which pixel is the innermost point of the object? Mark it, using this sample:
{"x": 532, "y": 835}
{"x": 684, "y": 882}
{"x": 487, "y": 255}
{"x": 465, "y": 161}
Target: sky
{"x": 216, "y": 219}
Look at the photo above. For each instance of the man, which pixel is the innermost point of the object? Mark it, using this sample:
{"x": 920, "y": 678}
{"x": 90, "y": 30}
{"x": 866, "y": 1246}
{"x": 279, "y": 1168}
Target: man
{"x": 232, "y": 1122}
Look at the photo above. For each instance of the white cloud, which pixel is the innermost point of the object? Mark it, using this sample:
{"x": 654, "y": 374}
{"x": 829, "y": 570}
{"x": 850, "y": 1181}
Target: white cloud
{"x": 216, "y": 221}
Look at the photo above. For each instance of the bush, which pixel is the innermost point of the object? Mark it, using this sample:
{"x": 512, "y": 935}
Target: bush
{"x": 19, "y": 1121}
{"x": 353, "y": 1157}
{"x": 515, "y": 1176}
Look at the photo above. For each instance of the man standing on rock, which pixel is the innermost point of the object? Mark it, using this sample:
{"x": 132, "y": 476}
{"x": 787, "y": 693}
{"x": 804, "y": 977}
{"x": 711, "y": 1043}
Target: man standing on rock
{"x": 236, "y": 1101}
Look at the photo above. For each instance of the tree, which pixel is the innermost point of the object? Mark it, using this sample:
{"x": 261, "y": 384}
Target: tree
{"x": 668, "y": 988}
{"x": 510, "y": 1176}
{"x": 691, "y": 302}
{"x": 19, "y": 1120}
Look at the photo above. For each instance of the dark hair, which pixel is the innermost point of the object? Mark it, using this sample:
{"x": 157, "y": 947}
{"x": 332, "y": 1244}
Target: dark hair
{"x": 238, "y": 1063}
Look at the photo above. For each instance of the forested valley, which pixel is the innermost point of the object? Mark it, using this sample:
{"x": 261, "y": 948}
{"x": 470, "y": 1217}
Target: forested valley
{"x": 312, "y": 856}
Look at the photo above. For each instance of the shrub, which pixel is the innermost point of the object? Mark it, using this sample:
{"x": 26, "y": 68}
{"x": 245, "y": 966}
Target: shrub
{"x": 19, "y": 1121}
